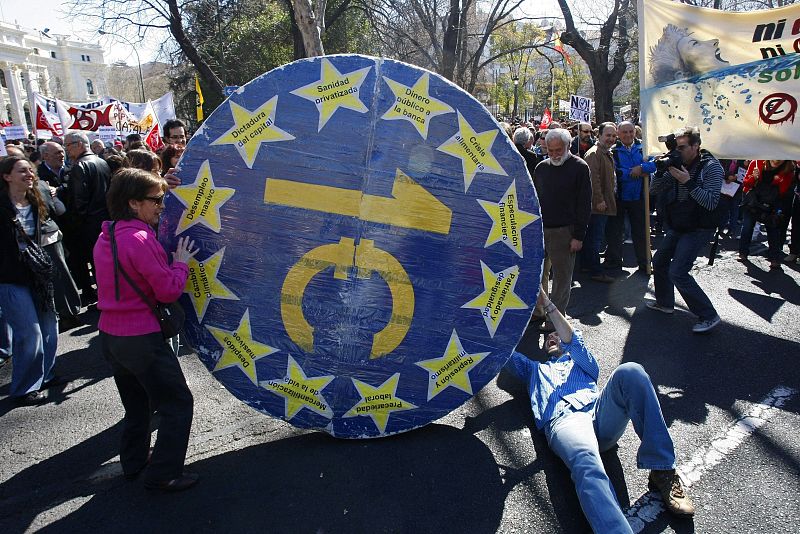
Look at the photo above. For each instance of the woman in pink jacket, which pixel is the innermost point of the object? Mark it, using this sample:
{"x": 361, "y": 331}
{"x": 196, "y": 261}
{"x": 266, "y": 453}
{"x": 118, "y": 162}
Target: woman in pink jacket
{"x": 146, "y": 371}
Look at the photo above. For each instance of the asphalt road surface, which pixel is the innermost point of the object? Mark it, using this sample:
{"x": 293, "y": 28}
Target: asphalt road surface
{"x": 730, "y": 398}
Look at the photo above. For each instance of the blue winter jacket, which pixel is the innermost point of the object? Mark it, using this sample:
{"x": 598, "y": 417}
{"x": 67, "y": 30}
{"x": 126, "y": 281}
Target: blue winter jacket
{"x": 624, "y": 160}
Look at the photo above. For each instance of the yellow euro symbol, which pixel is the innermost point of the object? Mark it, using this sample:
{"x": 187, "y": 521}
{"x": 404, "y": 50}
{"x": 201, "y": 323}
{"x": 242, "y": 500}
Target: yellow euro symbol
{"x": 343, "y": 256}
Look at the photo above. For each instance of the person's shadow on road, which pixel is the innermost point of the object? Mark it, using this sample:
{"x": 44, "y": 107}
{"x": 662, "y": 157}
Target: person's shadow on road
{"x": 437, "y": 479}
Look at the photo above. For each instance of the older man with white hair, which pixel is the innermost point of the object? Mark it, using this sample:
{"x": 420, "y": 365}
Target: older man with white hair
{"x": 565, "y": 196}
{"x": 89, "y": 178}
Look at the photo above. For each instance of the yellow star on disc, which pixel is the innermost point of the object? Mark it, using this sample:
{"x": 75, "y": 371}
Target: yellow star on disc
{"x": 202, "y": 199}
{"x": 239, "y": 349}
{"x": 474, "y": 150}
{"x": 334, "y": 90}
{"x": 378, "y": 402}
{"x": 300, "y": 391}
{"x": 452, "y": 369}
{"x": 498, "y": 296}
{"x": 507, "y": 220}
{"x": 203, "y": 283}
{"x": 251, "y": 128}
{"x": 415, "y": 104}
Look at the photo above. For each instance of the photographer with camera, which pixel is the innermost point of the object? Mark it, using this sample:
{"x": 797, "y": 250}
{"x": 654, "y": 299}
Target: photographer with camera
{"x": 688, "y": 182}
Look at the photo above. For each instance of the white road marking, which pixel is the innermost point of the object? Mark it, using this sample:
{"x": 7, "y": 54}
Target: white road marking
{"x": 648, "y": 506}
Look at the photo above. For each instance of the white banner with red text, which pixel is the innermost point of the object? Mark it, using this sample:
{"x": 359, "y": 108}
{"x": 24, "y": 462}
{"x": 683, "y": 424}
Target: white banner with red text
{"x": 55, "y": 117}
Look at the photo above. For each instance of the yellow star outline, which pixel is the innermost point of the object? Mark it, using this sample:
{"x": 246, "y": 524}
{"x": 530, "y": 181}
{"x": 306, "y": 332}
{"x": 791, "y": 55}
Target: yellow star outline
{"x": 299, "y": 391}
{"x": 378, "y": 402}
{"x": 415, "y": 104}
{"x": 203, "y": 200}
{"x": 474, "y": 150}
{"x": 507, "y": 220}
{"x": 251, "y": 128}
{"x": 239, "y": 349}
{"x": 498, "y": 296}
{"x": 203, "y": 283}
{"x": 452, "y": 368}
{"x": 334, "y": 90}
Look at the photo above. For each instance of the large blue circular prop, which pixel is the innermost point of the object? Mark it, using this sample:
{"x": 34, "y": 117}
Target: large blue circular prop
{"x": 370, "y": 245}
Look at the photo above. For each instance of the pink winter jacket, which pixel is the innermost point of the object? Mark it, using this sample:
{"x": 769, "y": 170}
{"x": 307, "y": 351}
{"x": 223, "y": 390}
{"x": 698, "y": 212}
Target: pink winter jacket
{"x": 145, "y": 261}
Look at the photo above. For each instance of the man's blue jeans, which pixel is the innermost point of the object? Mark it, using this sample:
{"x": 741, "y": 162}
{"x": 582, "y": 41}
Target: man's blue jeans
{"x": 34, "y": 338}
{"x": 590, "y": 253}
{"x": 579, "y": 437}
{"x": 671, "y": 264}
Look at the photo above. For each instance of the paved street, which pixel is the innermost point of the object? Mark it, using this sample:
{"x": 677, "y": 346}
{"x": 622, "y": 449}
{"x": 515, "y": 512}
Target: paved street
{"x": 730, "y": 398}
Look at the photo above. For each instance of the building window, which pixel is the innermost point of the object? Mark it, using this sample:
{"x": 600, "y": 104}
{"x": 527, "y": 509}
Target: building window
{"x": 89, "y": 87}
{"x": 3, "y": 79}
{"x": 36, "y": 51}
{"x": 52, "y": 54}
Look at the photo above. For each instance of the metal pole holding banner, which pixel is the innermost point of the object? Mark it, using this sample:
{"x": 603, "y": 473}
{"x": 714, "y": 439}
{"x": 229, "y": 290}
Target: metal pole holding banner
{"x": 647, "y": 241}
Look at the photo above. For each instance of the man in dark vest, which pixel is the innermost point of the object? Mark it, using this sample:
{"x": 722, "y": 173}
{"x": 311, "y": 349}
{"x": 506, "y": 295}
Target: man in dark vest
{"x": 690, "y": 196}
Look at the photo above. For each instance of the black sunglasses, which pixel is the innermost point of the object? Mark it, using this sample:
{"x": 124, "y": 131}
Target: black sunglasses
{"x": 156, "y": 200}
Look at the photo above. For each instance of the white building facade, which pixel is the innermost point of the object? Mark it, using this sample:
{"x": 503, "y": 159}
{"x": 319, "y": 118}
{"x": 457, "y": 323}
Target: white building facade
{"x": 32, "y": 61}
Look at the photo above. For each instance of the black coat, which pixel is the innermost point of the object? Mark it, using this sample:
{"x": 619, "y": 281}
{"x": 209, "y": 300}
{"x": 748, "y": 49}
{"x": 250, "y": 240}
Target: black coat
{"x": 89, "y": 179}
{"x": 531, "y": 159}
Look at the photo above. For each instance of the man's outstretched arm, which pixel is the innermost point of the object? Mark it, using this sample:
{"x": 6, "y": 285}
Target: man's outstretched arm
{"x": 562, "y": 326}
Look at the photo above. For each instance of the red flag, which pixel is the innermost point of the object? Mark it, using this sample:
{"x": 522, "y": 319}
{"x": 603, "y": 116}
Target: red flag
{"x": 153, "y": 139}
{"x": 546, "y": 119}
{"x": 559, "y": 47}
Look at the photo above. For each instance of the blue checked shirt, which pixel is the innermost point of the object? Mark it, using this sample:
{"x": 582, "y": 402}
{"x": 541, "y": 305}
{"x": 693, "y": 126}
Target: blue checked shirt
{"x": 568, "y": 383}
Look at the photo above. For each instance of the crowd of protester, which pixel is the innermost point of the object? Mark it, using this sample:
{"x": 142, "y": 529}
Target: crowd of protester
{"x": 57, "y": 190}
{"x": 593, "y": 185}
{"x": 690, "y": 196}
{"x": 78, "y": 217}
{"x": 91, "y": 209}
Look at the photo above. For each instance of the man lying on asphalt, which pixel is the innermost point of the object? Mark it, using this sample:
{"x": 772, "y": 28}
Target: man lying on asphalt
{"x": 580, "y": 420}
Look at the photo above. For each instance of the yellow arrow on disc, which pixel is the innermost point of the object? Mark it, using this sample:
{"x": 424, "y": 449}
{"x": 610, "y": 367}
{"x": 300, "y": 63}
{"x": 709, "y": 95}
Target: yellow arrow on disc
{"x": 411, "y": 206}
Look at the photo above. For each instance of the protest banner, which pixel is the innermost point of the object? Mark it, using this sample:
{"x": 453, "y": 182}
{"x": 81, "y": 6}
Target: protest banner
{"x": 735, "y": 75}
{"x": 369, "y": 253}
{"x": 580, "y": 108}
{"x": 55, "y": 117}
{"x": 16, "y": 132}
{"x": 107, "y": 134}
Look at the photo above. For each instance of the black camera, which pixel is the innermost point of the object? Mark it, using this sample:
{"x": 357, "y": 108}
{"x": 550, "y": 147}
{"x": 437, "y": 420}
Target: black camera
{"x": 669, "y": 140}
{"x": 669, "y": 159}
{"x": 672, "y": 158}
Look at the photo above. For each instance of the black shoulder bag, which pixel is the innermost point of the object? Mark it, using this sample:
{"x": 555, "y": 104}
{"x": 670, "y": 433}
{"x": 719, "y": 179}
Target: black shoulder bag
{"x": 763, "y": 199}
{"x": 41, "y": 267}
{"x": 170, "y": 316}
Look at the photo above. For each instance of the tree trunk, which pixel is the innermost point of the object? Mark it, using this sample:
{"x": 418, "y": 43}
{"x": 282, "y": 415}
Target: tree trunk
{"x": 450, "y": 41}
{"x": 309, "y": 29}
{"x": 299, "y": 50}
{"x": 604, "y": 78}
{"x": 188, "y": 48}
{"x": 603, "y": 101}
